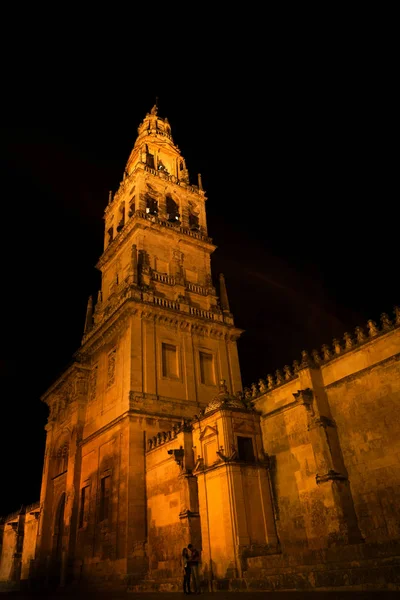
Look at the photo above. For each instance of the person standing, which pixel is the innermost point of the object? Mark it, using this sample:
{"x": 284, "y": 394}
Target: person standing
{"x": 194, "y": 567}
{"x": 186, "y": 571}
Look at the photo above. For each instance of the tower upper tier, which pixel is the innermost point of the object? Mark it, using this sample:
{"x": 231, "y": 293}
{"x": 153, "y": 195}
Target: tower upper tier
{"x": 155, "y": 147}
{"x": 156, "y": 186}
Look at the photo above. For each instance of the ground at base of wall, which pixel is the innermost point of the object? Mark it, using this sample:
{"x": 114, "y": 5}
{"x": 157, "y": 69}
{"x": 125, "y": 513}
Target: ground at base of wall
{"x": 370, "y": 576}
{"x": 222, "y": 595}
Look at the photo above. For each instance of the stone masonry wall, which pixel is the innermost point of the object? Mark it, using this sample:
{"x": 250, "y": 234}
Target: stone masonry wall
{"x": 332, "y": 430}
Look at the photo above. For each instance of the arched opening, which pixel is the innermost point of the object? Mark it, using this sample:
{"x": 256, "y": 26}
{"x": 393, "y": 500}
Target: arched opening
{"x": 172, "y": 210}
{"x": 151, "y": 205}
{"x": 58, "y": 533}
{"x": 61, "y": 460}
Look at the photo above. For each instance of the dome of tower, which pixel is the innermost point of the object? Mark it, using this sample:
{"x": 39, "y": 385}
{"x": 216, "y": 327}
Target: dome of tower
{"x": 152, "y": 124}
{"x": 225, "y": 400}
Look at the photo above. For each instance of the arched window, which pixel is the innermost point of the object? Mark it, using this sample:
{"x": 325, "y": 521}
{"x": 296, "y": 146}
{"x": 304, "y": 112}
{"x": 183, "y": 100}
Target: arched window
{"x": 121, "y": 221}
{"x": 61, "y": 463}
{"x": 151, "y": 205}
{"x": 193, "y": 222}
{"x": 172, "y": 210}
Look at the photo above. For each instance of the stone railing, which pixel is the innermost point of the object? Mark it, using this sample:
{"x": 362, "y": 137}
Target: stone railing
{"x": 199, "y": 312}
{"x": 172, "y": 179}
{"x": 163, "y": 437}
{"x": 154, "y": 219}
{"x": 127, "y": 291}
{"x": 197, "y": 289}
{"x": 166, "y": 303}
{"x": 327, "y": 353}
{"x": 163, "y": 278}
{"x": 125, "y": 183}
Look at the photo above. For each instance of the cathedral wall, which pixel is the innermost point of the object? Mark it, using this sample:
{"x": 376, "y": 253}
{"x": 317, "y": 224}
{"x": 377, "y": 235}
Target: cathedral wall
{"x": 364, "y": 396}
{"x": 29, "y": 544}
{"x": 350, "y": 428}
{"x": 167, "y": 362}
{"x": 287, "y": 440}
{"x": 8, "y": 550}
{"x": 102, "y": 513}
{"x": 218, "y": 535}
{"x": 109, "y": 383}
{"x": 165, "y": 531}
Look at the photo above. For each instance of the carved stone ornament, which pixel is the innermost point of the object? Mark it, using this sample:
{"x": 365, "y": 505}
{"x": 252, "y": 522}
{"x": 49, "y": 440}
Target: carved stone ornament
{"x": 93, "y": 383}
{"x": 305, "y": 359}
{"x": 262, "y": 385}
{"x": 288, "y": 373}
{"x": 331, "y": 475}
{"x": 316, "y": 357}
{"x": 336, "y": 346}
{"x": 326, "y": 353}
{"x": 305, "y": 397}
{"x": 372, "y": 328}
{"x": 348, "y": 342}
{"x": 360, "y": 335}
{"x": 111, "y": 367}
{"x": 386, "y": 322}
{"x": 279, "y": 377}
{"x": 296, "y": 366}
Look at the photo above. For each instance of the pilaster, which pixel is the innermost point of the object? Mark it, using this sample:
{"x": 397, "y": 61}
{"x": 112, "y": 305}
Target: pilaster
{"x": 331, "y": 475}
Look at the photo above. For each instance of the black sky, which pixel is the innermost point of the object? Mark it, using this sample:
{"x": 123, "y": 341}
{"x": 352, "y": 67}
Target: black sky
{"x": 297, "y": 152}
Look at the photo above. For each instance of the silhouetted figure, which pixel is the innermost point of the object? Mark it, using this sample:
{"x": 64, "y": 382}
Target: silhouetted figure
{"x": 194, "y": 567}
{"x": 186, "y": 571}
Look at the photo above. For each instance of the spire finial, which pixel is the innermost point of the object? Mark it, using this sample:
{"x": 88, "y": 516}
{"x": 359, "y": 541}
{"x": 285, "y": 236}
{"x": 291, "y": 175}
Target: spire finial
{"x": 154, "y": 110}
{"x": 223, "y": 293}
{"x": 89, "y": 315}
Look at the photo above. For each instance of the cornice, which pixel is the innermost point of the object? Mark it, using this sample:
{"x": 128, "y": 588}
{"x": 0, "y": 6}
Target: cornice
{"x": 129, "y": 306}
{"x": 62, "y": 380}
{"x": 141, "y": 220}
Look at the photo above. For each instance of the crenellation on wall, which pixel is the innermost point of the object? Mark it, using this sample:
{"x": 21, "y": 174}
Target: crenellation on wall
{"x": 339, "y": 349}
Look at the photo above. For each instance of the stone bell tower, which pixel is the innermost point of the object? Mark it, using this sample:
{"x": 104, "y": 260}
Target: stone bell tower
{"x": 156, "y": 261}
{"x": 155, "y": 345}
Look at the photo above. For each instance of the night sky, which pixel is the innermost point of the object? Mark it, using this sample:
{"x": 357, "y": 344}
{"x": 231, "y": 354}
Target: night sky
{"x": 297, "y": 161}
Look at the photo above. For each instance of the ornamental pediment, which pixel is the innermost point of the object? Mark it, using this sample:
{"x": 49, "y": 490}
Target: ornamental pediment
{"x": 208, "y": 432}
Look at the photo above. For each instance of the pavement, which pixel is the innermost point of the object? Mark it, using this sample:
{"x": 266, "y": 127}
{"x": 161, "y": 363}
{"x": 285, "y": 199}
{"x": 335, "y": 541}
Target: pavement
{"x": 285, "y": 595}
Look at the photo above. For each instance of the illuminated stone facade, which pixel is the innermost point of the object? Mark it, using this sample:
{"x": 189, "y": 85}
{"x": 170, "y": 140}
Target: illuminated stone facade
{"x": 151, "y": 443}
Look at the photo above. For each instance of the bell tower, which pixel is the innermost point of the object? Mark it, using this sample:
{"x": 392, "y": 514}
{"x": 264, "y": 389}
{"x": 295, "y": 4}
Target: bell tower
{"x": 156, "y": 269}
{"x": 155, "y": 345}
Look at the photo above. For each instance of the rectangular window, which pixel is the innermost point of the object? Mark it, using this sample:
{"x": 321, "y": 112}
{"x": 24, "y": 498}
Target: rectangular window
{"x": 245, "y": 448}
{"x": 105, "y": 497}
{"x": 170, "y": 361}
{"x": 207, "y": 371}
{"x": 84, "y": 507}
